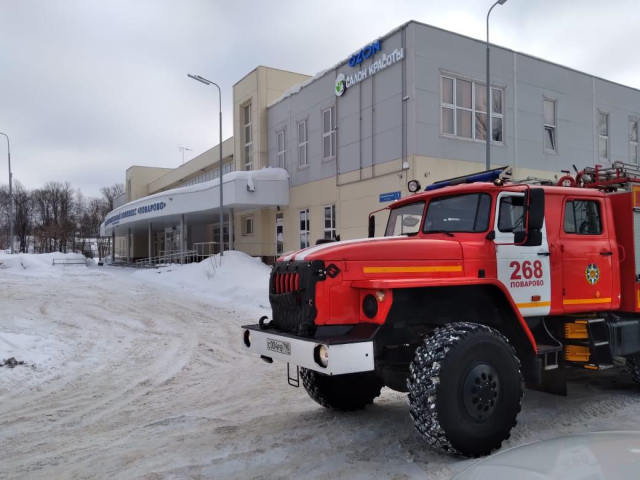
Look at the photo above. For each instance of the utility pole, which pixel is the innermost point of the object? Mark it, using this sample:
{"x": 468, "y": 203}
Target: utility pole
{"x": 10, "y": 192}
{"x": 488, "y": 134}
{"x": 209, "y": 82}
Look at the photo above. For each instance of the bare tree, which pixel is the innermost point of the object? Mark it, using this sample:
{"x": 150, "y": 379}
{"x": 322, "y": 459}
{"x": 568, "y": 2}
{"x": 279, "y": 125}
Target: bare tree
{"x": 23, "y": 216}
{"x": 110, "y": 193}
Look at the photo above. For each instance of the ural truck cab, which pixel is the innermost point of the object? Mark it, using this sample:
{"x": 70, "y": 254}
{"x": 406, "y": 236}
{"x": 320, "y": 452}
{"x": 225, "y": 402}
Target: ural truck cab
{"x": 479, "y": 285}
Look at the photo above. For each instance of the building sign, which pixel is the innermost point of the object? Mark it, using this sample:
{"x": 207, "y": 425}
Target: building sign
{"x": 151, "y": 207}
{"x": 345, "y": 81}
{"x": 365, "y": 53}
{"x": 389, "y": 197}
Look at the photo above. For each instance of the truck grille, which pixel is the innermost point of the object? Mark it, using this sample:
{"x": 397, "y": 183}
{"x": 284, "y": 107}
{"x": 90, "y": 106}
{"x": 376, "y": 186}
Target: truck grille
{"x": 292, "y": 291}
{"x": 286, "y": 282}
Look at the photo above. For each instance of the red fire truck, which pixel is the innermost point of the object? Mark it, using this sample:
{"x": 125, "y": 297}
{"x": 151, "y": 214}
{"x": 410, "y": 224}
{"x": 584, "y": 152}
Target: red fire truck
{"x": 480, "y": 284}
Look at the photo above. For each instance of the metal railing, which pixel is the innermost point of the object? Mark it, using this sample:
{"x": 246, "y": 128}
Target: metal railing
{"x": 254, "y": 249}
{"x": 203, "y": 250}
{"x": 188, "y": 256}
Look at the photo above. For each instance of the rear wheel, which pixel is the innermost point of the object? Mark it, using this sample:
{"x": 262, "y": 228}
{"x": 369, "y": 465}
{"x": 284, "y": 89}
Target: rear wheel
{"x": 465, "y": 388}
{"x": 633, "y": 365}
{"x": 349, "y": 392}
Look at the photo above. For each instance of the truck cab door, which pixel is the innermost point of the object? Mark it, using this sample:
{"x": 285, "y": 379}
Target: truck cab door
{"x": 524, "y": 270}
{"x": 586, "y": 256}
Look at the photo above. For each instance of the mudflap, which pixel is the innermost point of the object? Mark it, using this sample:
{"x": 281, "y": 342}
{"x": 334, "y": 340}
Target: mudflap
{"x": 552, "y": 381}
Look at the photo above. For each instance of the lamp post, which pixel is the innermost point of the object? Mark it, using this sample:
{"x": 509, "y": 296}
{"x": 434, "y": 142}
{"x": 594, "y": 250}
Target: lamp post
{"x": 10, "y": 192}
{"x": 488, "y": 131}
{"x": 209, "y": 82}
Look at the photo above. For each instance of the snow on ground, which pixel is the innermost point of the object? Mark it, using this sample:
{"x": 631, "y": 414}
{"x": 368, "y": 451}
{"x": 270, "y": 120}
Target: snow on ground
{"x": 234, "y": 278}
{"x": 140, "y": 374}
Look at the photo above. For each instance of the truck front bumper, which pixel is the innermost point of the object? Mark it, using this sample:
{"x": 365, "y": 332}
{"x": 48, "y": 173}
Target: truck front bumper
{"x": 350, "y": 347}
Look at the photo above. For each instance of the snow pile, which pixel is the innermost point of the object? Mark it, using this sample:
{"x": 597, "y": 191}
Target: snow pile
{"x": 235, "y": 278}
{"x": 36, "y": 265}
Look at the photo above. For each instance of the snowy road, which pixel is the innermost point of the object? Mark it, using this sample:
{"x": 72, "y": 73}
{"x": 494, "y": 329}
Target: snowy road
{"x": 140, "y": 379}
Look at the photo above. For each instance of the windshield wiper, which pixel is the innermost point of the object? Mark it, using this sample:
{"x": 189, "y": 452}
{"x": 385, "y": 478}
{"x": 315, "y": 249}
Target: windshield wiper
{"x": 446, "y": 232}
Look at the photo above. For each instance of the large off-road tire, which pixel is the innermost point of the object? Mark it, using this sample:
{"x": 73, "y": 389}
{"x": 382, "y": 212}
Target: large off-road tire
{"x": 349, "y": 392}
{"x": 465, "y": 388}
{"x": 633, "y": 365}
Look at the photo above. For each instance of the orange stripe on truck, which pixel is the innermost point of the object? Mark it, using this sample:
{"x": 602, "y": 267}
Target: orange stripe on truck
{"x": 585, "y": 301}
{"x": 425, "y": 269}
{"x": 533, "y": 304}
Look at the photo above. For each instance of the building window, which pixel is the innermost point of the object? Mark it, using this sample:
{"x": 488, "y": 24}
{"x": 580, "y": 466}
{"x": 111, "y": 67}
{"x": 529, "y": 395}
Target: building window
{"x": 302, "y": 144}
{"x": 330, "y": 222}
{"x": 282, "y": 152}
{"x": 247, "y": 225}
{"x": 582, "y": 217}
{"x": 603, "y": 132}
{"x": 304, "y": 228}
{"x": 633, "y": 140}
{"x": 329, "y": 133}
{"x": 248, "y": 138}
{"x": 550, "y": 124}
{"x": 464, "y": 110}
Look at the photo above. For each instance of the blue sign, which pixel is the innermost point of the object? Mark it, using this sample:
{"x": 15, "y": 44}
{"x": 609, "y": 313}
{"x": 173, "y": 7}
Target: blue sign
{"x": 389, "y": 196}
{"x": 365, "y": 53}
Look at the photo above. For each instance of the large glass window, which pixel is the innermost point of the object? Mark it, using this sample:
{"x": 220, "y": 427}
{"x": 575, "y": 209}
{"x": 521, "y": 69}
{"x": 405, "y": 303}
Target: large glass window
{"x": 550, "y": 124}
{"x": 282, "y": 150}
{"x": 464, "y": 109}
{"x": 248, "y": 138}
{"x": 330, "y": 222}
{"x": 582, "y": 217}
{"x": 405, "y": 220}
{"x": 461, "y": 213}
{"x": 329, "y": 133}
{"x": 304, "y": 228}
{"x": 603, "y": 134}
{"x": 302, "y": 144}
{"x": 511, "y": 216}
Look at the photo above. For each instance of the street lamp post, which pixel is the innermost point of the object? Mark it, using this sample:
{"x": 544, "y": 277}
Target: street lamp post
{"x": 488, "y": 131}
{"x": 209, "y": 82}
{"x": 10, "y": 192}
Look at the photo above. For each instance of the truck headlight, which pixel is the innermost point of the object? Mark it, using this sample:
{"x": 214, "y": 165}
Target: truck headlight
{"x": 247, "y": 338}
{"x": 321, "y": 354}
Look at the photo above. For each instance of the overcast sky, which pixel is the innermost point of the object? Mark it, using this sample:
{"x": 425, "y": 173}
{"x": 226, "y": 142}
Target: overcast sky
{"x": 91, "y": 87}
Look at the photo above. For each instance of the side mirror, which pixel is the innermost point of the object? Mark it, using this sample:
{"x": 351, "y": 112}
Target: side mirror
{"x": 536, "y": 209}
{"x": 372, "y": 226}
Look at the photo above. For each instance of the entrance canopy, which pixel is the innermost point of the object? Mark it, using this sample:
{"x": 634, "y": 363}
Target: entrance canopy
{"x": 268, "y": 187}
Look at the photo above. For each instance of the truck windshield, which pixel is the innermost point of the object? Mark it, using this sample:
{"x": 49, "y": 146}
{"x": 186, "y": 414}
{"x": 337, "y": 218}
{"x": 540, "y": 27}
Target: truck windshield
{"x": 405, "y": 220}
{"x": 460, "y": 213}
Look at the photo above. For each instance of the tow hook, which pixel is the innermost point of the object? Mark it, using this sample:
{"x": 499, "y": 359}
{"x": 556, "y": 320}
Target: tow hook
{"x": 262, "y": 324}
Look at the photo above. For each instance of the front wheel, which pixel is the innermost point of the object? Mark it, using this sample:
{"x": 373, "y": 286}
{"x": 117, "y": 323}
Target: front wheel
{"x": 465, "y": 388}
{"x": 349, "y": 392}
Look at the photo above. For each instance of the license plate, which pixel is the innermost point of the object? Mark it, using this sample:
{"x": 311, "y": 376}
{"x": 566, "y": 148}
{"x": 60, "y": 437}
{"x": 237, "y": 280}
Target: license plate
{"x": 278, "y": 346}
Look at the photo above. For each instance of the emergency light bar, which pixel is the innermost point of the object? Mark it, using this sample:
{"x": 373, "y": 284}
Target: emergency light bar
{"x": 487, "y": 176}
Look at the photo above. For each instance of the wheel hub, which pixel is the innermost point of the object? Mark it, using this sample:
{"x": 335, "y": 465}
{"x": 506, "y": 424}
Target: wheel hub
{"x": 481, "y": 392}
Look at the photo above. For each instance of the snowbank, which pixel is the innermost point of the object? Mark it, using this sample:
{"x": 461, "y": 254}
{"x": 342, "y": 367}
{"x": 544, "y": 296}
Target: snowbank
{"x": 235, "y": 278}
{"x": 37, "y": 264}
